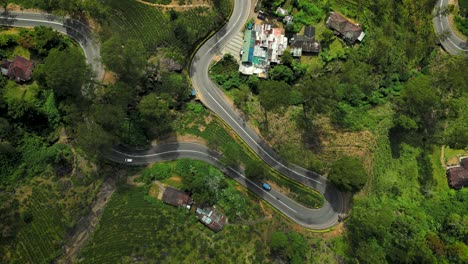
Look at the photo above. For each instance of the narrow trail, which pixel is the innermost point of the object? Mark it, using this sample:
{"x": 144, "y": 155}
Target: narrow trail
{"x": 174, "y": 5}
{"x": 87, "y": 225}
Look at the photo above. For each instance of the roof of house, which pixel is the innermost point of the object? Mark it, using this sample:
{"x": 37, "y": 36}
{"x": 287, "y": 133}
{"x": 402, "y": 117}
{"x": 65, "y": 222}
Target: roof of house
{"x": 309, "y": 31}
{"x": 350, "y": 31}
{"x": 211, "y": 218}
{"x": 458, "y": 176}
{"x": 20, "y": 69}
{"x": 176, "y": 197}
{"x": 305, "y": 43}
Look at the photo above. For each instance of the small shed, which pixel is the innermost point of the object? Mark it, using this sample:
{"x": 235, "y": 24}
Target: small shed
{"x": 458, "y": 175}
{"x": 177, "y": 198}
{"x": 282, "y": 12}
{"x": 213, "y": 219}
{"x": 288, "y": 19}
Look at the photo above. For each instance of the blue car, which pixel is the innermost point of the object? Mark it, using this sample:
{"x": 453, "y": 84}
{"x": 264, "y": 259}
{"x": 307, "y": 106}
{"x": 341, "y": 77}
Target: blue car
{"x": 266, "y": 186}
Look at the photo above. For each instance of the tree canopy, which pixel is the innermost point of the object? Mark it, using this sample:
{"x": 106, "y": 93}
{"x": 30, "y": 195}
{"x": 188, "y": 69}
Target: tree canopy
{"x": 348, "y": 174}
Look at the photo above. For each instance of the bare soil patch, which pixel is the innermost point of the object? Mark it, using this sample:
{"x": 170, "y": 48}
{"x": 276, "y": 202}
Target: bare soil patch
{"x": 154, "y": 190}
{"x": 175, "y": 4}
{"x": 87, "y": 225}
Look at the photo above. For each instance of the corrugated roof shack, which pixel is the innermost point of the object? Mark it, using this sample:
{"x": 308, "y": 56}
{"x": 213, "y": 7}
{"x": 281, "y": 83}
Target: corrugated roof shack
{"x": 211, "y": 218}
{"x": 349, "y": 31}
{"x": 458, "y": 175}
{"x": 177, "y": 198}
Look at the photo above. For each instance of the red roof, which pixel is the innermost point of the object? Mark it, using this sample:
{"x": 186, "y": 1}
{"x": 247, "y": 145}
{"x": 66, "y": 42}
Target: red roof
{"x": 20, "y": 69}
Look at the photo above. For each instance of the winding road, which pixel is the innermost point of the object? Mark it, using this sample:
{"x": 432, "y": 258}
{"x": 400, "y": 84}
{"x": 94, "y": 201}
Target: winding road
{"x": 451, "y": 42}
{"x": 325, "y": 217}
{"x": 81, "y": 33}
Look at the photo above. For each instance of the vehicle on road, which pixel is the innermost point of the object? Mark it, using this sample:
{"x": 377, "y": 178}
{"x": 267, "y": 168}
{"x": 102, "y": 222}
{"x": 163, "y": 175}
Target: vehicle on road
{"x": 266, "y": 186}
{"x": 128, "y": 160}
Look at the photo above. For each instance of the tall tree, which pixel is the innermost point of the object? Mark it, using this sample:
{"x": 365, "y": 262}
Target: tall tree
{"x": 66, "y": 73}
{"x": 274, "y": 95}
{"x": 154, "y": 114}
{"x": 126, "y": 58}
{"x": 348, "y": 174}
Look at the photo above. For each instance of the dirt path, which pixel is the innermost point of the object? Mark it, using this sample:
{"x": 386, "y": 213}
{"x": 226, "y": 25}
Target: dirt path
{"x": 442, "y": 156}
{"x": 88, "y": 224}
{"x": 176, "y": 6}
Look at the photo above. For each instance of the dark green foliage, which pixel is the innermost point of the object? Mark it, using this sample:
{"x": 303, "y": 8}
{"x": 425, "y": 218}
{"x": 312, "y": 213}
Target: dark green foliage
{"x": 274, "y": 95}
{"x": 126, "y": 58}
{"x": 282, "y": 73}
{"x": 65, "y": 73}
{"x": 291, "y": 246}
{"x": 46, "y": 39}
{"x": 158, "y": 171}
{"x": 398, "y": 231}
{"x": 93, "y": 139}
{"x": 462, "y": 24}
{"x": 176, "y": 86}
{"x": 226, "y": 73}
{"x": 255, "y": 171}
{"x": 348, "y": 174}
{"x": 154, "y": 110}
{"x": 206, "y": 183}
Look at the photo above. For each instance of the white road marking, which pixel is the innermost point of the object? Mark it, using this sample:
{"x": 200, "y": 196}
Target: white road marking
{"x": 199, "y": 152}
{"x": 450, "y": 29}
{"x": 51, "y": 22}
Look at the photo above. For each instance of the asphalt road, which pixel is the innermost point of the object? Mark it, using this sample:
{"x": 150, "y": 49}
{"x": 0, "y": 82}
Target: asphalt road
{"x": 452, "y": 44}
{"x": 213, "y": 98}
{"x": 321, "y": 218}
{"x": 73, "y": 28}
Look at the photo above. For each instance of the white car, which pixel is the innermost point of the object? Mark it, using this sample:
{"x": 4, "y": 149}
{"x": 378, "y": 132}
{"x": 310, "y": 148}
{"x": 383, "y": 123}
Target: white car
{"x": 129, "y": 160}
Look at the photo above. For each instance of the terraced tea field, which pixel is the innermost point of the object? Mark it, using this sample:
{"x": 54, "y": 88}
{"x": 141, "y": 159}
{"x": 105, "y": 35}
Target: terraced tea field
{"x": 134, "y": 228}
{"x": 155, "y": 28}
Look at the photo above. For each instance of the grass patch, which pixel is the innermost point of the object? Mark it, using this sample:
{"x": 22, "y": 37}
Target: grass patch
{"x": 20, "y": 51}
{"x": 451, "y": 155}
{"x": 26, "y": 93}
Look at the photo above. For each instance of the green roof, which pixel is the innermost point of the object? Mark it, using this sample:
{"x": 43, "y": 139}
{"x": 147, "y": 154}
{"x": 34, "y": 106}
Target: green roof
{"x": 248, "y": 46}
